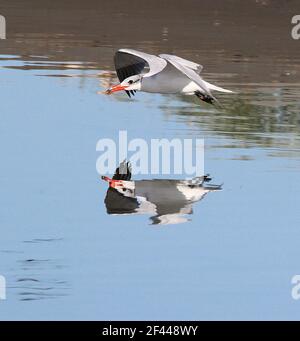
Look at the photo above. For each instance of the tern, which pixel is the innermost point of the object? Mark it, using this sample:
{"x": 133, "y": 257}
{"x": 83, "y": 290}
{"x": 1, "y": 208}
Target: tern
{"x": 165, "y": 74}
{"x": 166, "y": 200}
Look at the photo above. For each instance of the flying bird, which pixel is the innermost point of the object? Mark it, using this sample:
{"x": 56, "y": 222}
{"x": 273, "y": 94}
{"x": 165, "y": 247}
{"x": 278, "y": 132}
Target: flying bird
{"x": 166, "y": 200}
{"x": 165, "y": 74}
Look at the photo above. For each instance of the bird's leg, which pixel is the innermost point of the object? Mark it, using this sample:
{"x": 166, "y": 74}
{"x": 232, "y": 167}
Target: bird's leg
{"x": 206, "y": 98}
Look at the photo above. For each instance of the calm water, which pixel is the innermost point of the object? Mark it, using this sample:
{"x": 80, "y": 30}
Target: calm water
{"x": 64, "y": 257}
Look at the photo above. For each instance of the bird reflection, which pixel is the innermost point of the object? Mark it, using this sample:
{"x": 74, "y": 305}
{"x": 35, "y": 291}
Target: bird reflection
{"x": 167, "y": 201}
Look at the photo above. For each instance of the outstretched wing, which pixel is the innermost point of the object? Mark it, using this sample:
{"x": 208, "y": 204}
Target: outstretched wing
{"x": 194, "y": 66}
{"x": 130, "y": 62}
{"x": 184, "y": 66}
{"x": 191, "y": 65}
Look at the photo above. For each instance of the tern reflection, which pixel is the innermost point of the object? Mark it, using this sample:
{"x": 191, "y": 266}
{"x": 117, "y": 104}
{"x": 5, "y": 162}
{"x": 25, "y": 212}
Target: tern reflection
{"x": 166, "y": 201}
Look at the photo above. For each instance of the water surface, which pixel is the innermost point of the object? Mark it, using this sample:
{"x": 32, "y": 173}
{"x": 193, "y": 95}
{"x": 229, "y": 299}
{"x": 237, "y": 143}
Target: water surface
{"x": 63, "y": 256}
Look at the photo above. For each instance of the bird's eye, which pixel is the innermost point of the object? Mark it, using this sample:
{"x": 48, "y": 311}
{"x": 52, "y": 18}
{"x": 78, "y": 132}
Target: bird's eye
{"x": 130, "y": 82}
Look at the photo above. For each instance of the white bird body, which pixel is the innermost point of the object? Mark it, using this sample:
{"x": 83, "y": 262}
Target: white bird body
{"x": 160, "y": 82}
{"x": 167, "y": 74}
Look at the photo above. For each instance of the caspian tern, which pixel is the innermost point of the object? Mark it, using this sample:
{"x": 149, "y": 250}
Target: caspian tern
{"x": 167, "y": 74}
{"x": 167, "y": 201}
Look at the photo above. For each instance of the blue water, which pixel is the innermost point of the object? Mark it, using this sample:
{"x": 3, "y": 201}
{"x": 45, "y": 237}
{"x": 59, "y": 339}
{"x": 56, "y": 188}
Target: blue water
{"x": 64, "y": 257}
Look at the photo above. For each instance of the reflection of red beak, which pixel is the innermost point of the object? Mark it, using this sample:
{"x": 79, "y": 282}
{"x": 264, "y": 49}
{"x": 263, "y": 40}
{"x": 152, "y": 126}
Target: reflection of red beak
{"x": 112, "y": 183}
{"x": 115, "y": 88}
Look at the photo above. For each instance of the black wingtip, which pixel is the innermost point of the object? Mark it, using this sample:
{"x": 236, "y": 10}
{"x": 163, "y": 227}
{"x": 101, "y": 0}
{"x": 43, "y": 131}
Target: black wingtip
{"x": 123, "y": 172}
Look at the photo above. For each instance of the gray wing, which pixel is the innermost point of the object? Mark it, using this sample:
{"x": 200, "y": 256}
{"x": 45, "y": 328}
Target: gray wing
{"x": 183, "y": 67}
{"x": 194, "y": 66}
{"x": 130, "y": 62}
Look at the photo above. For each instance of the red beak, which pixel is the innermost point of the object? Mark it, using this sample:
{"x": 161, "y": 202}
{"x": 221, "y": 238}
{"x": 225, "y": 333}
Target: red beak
{"x": 115, "y": 88}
